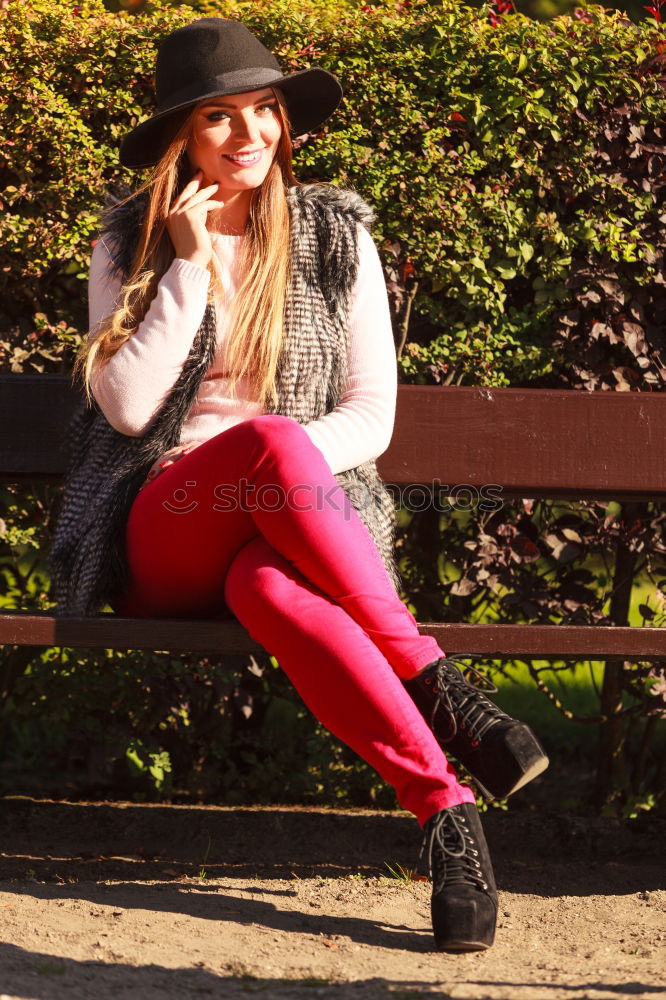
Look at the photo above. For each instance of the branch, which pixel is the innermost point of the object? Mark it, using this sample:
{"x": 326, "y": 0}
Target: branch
{"x": 404, "y": 326}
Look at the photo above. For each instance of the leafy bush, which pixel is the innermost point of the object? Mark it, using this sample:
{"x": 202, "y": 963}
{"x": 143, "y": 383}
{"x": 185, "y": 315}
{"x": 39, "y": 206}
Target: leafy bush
{"x": 124, "y": 724}
{"x": 478, "y": 146}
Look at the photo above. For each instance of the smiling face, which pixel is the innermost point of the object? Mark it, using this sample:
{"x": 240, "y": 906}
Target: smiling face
{"x": 235, "y": 139}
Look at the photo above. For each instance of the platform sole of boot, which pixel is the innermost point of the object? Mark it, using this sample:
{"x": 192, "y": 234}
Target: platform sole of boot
{"x": 456, "y": 947}
{"x": 465, "y": 923}
{"x": 503, "y": 792}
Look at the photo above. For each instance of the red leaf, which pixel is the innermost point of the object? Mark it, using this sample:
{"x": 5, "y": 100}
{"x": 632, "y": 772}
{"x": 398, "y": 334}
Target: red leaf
{"x": 407, "y": 270}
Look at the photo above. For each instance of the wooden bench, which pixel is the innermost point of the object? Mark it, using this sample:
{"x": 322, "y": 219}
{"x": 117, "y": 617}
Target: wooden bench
{"x": 531, "y": 443}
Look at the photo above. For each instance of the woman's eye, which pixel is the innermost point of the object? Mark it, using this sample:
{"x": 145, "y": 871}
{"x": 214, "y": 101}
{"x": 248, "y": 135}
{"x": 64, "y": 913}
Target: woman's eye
{"x": 261, "y": 108}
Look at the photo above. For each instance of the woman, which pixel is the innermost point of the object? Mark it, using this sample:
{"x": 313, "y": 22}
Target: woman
{"x": 242, "y": 365}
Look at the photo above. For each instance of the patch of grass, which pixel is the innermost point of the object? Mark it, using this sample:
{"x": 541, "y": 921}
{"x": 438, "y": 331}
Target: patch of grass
{"x": 576, "y": 687}
{"x": 203, "y": 874}
{"x": 50, "y": 969}
{"x": 405, "y": 875}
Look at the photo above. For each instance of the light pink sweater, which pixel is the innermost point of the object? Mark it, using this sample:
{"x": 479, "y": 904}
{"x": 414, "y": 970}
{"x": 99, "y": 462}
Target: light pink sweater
{"x": 131, "y": 386}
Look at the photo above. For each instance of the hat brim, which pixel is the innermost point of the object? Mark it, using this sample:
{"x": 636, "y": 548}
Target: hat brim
{"x": 311, "y": 95}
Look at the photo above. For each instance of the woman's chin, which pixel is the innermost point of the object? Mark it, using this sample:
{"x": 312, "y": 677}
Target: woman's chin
{"x": 237, "y": 182}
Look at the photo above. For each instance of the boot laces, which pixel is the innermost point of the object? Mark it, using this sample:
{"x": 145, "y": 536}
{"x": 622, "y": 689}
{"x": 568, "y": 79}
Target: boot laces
{"x": 453, "y": 855}
{"x": 466, "y": 704}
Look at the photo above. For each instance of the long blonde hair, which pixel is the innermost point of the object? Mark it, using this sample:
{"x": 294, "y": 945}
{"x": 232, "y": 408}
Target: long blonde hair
{"x": 256, "y": 333}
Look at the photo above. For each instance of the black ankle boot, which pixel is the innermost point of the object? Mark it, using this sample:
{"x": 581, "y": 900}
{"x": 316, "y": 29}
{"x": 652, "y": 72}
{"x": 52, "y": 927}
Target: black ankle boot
{"x": 499, "y": 752}
{"x": 464, "y": 894}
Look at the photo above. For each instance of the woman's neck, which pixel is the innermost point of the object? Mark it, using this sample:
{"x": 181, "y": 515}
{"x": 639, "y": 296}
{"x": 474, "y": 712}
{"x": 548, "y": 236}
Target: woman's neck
{"x": 232, "y": 219}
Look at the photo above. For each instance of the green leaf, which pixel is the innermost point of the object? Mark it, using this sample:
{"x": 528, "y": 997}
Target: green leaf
{"x": 526, "y": 251}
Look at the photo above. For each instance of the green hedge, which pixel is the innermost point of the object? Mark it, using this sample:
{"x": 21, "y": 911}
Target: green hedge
{"x": 477, "y": 146}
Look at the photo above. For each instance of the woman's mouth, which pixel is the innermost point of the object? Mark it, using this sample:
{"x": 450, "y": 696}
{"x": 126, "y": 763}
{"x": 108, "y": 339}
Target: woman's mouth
{"x": 245, "y": 159}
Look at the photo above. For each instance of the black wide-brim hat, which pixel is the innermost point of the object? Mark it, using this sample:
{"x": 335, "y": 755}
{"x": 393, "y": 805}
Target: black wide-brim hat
{"x": 214, "y": 57}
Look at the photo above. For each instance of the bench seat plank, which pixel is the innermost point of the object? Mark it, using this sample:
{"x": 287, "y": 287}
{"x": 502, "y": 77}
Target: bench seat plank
{"x": 109, "y": 631}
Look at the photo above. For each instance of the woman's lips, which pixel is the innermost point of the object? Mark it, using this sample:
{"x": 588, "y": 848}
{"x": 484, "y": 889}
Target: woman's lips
{"x": 245, "y": 160}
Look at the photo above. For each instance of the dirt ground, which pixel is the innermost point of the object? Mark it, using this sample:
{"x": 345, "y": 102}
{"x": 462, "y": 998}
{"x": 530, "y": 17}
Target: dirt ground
{"x": 106, "y": 900}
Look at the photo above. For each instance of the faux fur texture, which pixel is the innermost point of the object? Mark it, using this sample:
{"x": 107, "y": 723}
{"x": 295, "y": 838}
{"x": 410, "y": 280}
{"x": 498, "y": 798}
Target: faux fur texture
{"x": 106, "y": 468}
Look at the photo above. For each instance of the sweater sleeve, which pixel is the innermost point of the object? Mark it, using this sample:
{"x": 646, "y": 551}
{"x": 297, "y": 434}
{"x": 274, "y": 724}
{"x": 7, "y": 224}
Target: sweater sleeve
{"x": 360, "y": 427}
{"x": 134, "y": 382}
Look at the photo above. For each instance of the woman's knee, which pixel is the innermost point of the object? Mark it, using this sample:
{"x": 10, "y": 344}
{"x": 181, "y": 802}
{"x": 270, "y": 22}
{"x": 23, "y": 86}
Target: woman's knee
{"x": 275, "y": 431}
{"x": 252, "y": 586}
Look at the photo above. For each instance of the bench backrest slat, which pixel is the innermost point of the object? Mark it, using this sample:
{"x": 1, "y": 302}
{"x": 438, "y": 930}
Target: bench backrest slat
{"x": 531, "y": 442}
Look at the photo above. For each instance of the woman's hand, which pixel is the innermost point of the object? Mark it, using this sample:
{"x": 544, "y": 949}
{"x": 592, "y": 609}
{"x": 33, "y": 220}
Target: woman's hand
{"x": 169, "y": 457}
{"x": 186, "y": 221}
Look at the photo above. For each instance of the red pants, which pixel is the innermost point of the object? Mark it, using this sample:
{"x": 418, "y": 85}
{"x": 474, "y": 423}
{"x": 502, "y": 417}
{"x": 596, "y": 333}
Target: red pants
{"x": 254, "y": 521}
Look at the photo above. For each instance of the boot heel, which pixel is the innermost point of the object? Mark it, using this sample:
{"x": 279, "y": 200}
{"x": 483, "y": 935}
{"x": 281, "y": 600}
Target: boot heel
{"x": 513, "y": 758}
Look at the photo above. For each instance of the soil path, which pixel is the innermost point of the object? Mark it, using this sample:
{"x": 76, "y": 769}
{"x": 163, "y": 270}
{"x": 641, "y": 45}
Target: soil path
{"x": 101, "y": 901}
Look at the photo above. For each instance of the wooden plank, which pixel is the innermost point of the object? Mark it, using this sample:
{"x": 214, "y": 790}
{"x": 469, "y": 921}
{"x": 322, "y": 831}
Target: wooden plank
{"x": 529, "y": 442}
{"x": 109, "y": 631}
{"x": 590, "y": 642}
{"x": 212, "y": 636}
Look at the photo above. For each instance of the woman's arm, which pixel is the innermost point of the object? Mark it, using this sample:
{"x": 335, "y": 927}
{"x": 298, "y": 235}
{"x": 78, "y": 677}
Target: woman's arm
{"x": 361, "y": 425}
{"x": 131, "y": 386}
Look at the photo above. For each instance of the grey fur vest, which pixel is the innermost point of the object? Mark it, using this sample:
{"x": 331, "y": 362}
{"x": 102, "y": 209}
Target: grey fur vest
{"x": 106, "y": 468}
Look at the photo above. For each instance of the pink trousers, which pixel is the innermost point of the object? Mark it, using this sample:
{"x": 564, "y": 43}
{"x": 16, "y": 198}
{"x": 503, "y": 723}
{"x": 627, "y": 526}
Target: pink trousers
{"x": 253, "y": 521}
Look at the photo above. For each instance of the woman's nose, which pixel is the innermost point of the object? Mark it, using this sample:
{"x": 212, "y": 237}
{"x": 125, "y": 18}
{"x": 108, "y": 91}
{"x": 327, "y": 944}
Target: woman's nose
{"x": 247, "y": 127}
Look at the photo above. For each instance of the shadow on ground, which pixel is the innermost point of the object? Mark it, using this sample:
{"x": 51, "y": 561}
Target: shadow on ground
{"x": 45, "y": 977}
{"x": 538, "y": 852}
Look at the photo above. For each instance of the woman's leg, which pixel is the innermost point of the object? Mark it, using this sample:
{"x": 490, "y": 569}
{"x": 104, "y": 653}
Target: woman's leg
{"x": 309, "y": 584}
{"x": 263, "y": 476}
{"x": 342, "y": 677}
{"x": 187, "y": 556}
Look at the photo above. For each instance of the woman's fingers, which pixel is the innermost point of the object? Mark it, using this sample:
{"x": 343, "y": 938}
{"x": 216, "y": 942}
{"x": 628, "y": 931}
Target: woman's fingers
{"x": 171, "y": 456}
{"x": 186, "y": 221}
{"x": 192, "y": 186}
{"x": 214, "y": 204}
{"x": 194, "y": 198}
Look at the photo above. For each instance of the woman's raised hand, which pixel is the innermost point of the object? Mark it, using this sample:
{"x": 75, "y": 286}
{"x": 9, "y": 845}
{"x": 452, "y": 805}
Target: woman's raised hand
{"x": 186, "y": 221}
